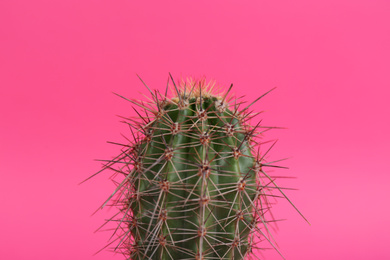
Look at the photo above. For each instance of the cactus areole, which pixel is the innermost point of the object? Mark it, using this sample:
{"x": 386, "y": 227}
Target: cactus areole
{"x": 192, "y": 182}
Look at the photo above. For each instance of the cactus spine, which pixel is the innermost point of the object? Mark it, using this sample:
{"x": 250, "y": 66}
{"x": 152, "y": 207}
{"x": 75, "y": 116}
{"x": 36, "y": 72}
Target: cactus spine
{"x": 193, "y": 182}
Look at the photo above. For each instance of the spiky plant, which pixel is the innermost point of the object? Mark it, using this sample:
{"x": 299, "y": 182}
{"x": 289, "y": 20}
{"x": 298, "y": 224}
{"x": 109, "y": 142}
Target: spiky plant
{"x": 193, "y": 184}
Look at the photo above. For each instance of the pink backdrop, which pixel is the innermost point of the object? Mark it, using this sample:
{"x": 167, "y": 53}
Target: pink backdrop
{"x": 60, "y": 61}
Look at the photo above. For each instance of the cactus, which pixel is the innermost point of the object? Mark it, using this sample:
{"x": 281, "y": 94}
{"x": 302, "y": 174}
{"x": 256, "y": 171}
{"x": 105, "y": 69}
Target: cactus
{"x": 192, "y": 181}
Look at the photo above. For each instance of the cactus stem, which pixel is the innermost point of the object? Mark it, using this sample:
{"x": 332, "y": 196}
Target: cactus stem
{"x": 192, "y": 184}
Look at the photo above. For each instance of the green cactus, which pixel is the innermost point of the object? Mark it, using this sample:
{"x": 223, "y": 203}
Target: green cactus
{"x": 193, "y": 182}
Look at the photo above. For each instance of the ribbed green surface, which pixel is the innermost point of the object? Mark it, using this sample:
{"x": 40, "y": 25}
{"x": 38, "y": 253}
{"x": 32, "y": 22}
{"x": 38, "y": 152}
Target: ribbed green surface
{"x": 194, "y": 184}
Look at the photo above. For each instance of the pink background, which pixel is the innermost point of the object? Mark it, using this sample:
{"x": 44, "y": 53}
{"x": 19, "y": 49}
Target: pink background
{"x": 60, "y": 61}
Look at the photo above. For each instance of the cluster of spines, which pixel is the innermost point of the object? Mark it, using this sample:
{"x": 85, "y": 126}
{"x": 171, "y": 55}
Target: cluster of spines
{"x": 194, "y": 185}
